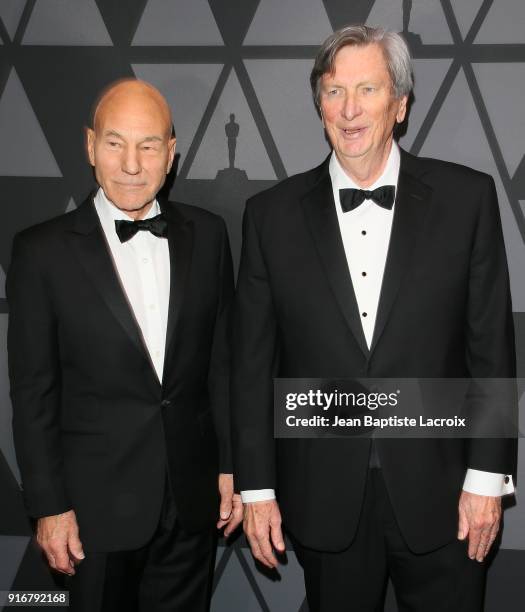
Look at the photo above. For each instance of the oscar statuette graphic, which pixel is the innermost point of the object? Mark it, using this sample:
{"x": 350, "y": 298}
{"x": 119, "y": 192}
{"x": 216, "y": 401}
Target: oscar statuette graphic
{"x": 231, "y": 174}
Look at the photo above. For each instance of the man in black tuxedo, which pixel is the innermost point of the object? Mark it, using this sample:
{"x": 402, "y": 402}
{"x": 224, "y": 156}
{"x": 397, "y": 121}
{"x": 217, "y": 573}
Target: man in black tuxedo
{"x": 119, "y": 369}
{"x": 375, "y": 264}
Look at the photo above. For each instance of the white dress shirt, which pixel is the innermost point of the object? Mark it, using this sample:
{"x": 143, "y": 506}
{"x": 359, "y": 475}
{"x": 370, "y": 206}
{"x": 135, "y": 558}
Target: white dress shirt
{"x": 365, "y": 232}
{"x": 143, "y": 265}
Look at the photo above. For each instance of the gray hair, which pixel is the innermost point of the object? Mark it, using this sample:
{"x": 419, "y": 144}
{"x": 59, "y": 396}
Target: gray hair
{"x": 393, "y": 45}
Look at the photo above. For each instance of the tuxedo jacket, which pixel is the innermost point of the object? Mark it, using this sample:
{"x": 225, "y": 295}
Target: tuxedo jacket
{"x": 94, "y": 428}
{"x": 444, "y": 311}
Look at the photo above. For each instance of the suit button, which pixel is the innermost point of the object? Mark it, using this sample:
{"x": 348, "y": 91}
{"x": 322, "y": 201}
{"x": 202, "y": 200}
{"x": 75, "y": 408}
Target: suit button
{"x": 165, "y": 403}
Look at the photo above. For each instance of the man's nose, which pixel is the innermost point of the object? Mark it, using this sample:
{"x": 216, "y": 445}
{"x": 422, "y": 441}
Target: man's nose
{"x": 351, "y": 107}
{"x": 131, "y": 161}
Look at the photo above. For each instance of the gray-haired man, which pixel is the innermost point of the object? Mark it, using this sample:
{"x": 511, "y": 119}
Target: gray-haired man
{"x": 383, "y": 265}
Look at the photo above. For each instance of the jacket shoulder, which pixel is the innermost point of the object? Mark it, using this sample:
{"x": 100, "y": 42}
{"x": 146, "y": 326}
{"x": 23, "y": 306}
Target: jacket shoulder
{"x": 438, "y": 171}
{"x": 197, "y": 214}
{"x": 49, "y": 228}
{"x": 288, "y": 191}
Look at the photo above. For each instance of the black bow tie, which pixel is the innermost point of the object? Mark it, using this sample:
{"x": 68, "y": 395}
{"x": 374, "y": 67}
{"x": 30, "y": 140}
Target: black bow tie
{"x": 352, "y": 198}
{"x": 158, "y": 226}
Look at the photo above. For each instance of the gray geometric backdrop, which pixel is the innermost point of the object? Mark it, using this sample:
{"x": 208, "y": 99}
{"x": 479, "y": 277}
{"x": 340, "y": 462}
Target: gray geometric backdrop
{"x": 250, "y": 58}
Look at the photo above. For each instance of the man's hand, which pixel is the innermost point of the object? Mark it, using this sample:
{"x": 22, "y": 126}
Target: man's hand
{"x": 479, "y": 519}
{"x": 58, "y": 537}
{"x": 231, "y": 505}
{"x": 262, "y": 526}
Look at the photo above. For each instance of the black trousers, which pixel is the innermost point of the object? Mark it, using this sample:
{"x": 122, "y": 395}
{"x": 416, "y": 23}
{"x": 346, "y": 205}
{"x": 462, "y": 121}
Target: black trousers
{"x": 444, "y": 580}
{"x": 173, "y": 572}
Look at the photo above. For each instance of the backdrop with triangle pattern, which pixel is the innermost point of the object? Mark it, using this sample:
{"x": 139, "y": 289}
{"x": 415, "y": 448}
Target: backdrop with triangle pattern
{"x": 213, "y": 59}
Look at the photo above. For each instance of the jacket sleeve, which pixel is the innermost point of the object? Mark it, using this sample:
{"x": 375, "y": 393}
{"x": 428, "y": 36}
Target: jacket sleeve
{"x": 219, "y": 374}
{"x": 34, "y": 374}
{"x": 491, "y": 356}
{"x": 255, "y": 345}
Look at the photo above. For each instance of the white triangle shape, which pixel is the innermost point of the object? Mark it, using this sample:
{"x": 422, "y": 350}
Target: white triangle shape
{"x": 286, "y": 594}
{"x": 7, "y": 447}
{"x": 2, "y": 283}
{"x": 458, "y": 136}
{"x": 10, "y": 12}
{"x": 429, "y": 74}
{"x": 503, "y": 23}
{"x": 12, "y": 551}
{"x": 426, "y": 19}
{"x": 29, "y": 153}
{"x": 466, "y": 11}
{"x": 289, "y": 22}
{"x": 218, "y": 555}
{"x": 514, "y": 532}
{"x": 71, "y": 205}
{"x": 187, "y": 88}
{"x": 251, "y": 155}
{"x": 66, "y": 22}
{"x": 503, "y": 90}
{"x": 234, "y": 591}
{"x": 177, "y": 22}
{"x": 283, "y": 90}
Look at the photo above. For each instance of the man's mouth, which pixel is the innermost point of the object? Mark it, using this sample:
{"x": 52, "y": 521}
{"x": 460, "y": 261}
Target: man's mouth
{"x": 353, "y": 133}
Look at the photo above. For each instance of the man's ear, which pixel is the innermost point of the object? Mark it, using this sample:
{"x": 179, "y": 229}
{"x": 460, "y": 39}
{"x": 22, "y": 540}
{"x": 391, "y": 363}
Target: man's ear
{"x": 90, "y": 145}
{"x": 171, "y": 155}
{"x": 402, "y": 110}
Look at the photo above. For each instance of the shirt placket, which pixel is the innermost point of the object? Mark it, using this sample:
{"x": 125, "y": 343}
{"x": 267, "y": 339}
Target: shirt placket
{"x": 362, "y": 271}
{"x": 149, "y": 291}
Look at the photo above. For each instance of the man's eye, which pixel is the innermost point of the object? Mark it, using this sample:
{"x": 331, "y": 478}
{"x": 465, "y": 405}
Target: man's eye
{"x": 369, "y": 89}
{"x": 113, "y": 144}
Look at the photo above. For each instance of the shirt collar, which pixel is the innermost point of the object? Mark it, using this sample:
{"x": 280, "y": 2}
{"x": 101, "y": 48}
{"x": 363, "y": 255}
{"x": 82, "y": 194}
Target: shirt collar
{"x": 109, "y": 212}
{"x": 389, "y": 176}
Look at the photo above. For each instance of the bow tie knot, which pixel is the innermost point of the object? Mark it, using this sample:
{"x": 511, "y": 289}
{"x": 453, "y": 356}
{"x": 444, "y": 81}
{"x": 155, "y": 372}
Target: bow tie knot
{"x": 352, "y": 198}
{"x": 158, "y": 226}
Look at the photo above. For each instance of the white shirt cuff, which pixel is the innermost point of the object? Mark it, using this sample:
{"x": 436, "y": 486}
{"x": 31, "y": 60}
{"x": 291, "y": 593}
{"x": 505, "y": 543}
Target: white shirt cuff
{"x": 257, "y": 495}
{"x": 488, "y": 483}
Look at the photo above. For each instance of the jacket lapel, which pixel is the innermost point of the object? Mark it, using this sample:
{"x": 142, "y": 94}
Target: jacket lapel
{"x": 180, "y": 241}
{"x": 412, "y": 203}
{"x": 321, "y": 217}
{"x": 87, "y": 241}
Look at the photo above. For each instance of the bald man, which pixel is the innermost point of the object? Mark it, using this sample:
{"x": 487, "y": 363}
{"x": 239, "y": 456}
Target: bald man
{"x": 118, "y": 361}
